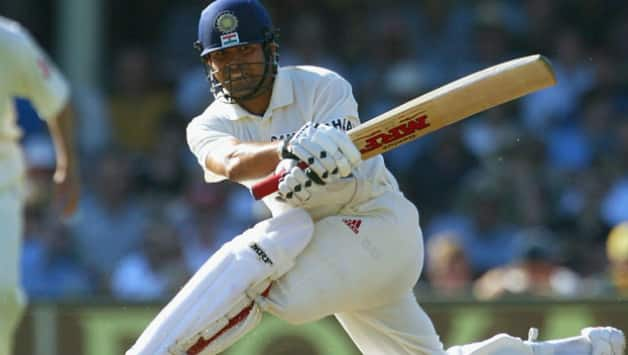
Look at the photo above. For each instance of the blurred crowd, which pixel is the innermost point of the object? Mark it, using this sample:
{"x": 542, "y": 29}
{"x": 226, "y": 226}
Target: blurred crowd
{"x": 524, "y": 199}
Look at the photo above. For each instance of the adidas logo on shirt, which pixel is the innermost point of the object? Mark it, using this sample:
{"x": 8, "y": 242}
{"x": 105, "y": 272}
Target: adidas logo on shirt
{"x": 353, "y": 224}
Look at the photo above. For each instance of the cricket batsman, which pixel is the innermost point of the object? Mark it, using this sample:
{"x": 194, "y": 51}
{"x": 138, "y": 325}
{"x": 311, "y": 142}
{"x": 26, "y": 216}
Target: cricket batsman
{"x": 343, "y": 240}
{"x": 25, "y": 71}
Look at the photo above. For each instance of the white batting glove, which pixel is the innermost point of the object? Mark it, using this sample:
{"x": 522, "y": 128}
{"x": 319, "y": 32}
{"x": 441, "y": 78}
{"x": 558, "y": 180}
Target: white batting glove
{"x": 328, "y": 152}
{"x": 295, "y": 187}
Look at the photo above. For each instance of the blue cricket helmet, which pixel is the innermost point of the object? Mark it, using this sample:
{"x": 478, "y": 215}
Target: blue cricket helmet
{"x": 228, "y": 23}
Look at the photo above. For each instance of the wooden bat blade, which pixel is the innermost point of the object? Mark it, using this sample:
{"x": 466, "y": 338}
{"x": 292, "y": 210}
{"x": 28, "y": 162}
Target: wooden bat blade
{"x": 451, "y": 103}
{"x": 441, "y": 107}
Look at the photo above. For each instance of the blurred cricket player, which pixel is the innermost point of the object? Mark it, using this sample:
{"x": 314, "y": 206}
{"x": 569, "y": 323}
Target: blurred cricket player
{"x": 26, "y": 71}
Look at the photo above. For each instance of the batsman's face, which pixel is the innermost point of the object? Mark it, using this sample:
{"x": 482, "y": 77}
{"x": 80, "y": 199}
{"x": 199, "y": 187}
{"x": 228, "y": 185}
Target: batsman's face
{"x": 239, "y": 69}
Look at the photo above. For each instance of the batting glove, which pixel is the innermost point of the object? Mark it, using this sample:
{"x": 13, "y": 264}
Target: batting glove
{"x": 328, "y": 152}
{"x": 295, "y": 187}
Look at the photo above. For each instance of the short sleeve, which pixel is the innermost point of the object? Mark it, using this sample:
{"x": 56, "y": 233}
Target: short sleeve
{"x": 37, "y": 78}
{"x": 204, "y": 135}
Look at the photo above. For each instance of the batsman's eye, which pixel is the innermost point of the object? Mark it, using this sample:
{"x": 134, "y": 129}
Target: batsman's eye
{"x": 246, "y": 49}
{"x": 216, "y": 56}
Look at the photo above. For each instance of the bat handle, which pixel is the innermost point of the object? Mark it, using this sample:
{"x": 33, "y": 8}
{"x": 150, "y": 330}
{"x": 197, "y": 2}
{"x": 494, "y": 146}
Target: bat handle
{"x": 270, "y": 184}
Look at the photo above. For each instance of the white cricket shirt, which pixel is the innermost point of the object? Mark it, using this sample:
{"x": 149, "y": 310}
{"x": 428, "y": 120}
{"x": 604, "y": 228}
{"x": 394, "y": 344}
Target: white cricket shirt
{"x": 25, "y": 71}
{"x": 300, "y": 94}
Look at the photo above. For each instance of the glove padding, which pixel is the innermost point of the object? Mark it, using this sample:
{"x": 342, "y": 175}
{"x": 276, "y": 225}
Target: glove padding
{"x": 295, "y": 187}
{"x": 328, "y": 152}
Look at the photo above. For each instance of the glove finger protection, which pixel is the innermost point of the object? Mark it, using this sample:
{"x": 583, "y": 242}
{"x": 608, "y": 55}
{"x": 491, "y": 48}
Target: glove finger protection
{"x": 330, "y": 147}
{"x": 344, "y": 144}
{"x": 328, "y": 152}
{"x": 321, "y": 164}
{"x": 294, "y": 187}
{"x": 343, "y": 165}
{"x": 298, "y": 152}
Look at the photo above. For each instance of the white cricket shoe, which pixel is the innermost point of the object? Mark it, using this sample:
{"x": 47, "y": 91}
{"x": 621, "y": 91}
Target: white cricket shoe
{"x": 605, "y": 340}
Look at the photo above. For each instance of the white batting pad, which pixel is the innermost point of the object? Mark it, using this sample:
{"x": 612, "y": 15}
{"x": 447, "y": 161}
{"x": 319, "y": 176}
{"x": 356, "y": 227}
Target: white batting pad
{"x": 225, "y": 285}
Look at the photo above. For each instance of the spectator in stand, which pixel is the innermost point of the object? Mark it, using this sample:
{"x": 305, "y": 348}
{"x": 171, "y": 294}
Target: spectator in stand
{"x": 575, "y": 76}
{"x": 617, "y": 252}
{"x": 156, "y": 270}
{"x": 444, "y": 165}
{"x": 111, "y": 217}
{"x": 487, "y": 233}
{"x": 161, "y": 175}
{"x": 613, "y": 281}
{"x": 535, "y": 272}
{"x": 448, "y": 270}
{"x": 50, "y": 263}
{"x": 138, "y": 103}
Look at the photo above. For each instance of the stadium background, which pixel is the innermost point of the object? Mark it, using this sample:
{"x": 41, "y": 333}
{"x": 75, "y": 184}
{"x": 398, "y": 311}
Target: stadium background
{"x": 517, "y": 204}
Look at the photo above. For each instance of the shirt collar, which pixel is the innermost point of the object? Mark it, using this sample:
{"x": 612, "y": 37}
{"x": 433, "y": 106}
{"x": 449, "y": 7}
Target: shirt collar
{"x": 282, "y": 96}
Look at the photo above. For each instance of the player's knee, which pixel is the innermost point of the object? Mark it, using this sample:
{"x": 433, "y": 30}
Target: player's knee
{"x": 295, "y": 313}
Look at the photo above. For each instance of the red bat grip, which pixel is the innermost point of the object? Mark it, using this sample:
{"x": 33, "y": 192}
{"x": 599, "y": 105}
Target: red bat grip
{"x": 270, "y": 184}
{"x": 266, "y": 187}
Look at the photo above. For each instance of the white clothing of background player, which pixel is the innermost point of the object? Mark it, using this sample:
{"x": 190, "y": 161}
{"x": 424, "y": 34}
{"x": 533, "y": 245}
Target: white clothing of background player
{"x": 25, "y": 71}
{"x": 343, "y": 239}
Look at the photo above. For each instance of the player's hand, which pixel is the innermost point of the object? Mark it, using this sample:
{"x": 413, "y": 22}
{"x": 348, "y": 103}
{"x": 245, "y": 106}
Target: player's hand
{"x": 295, "y": 187}
{"x": 328, "y": 152}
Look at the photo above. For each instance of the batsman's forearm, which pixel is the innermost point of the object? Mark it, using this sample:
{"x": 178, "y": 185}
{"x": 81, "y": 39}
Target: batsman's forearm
{"x": 62, "y": 132}
{"x": 243, "y": 161}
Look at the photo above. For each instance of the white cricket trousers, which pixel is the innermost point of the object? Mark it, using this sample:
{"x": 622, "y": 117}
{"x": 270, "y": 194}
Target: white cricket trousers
{"x": 362, "y": 267}
{"x": 12, "y": 300}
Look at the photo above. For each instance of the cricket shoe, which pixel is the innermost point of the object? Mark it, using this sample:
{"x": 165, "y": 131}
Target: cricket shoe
{"x": 591, "y": 341}
{"x": 605, "y": 340}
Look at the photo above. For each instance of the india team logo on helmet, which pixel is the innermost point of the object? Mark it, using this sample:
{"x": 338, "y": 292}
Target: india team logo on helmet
{"x": 227, "y": 23}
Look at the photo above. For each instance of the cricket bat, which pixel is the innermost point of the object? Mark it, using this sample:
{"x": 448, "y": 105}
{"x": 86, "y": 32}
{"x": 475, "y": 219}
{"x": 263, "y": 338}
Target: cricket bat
{"x": 448, "y": 104}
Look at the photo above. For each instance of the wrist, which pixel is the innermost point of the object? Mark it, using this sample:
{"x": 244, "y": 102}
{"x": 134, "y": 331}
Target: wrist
{"x": 279, "y": 149}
